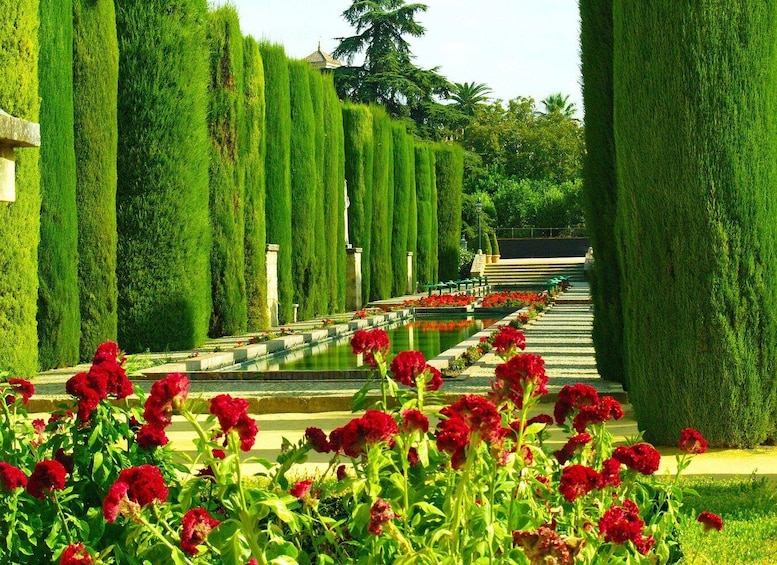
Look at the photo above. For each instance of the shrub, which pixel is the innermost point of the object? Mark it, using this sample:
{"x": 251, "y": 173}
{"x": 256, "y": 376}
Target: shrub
{"x": 95, "y": 79}
{"x": 162, "y": 215}
{"x": 59, "y": 317}
{"x": 425, "y": 221}
{"x": 404, "y": 180}
{"x": 382, "y": 175}
{"x": 321, "y": 262}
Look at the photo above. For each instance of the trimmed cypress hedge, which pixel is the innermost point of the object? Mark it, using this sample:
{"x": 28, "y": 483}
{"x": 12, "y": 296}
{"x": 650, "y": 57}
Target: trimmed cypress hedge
{"x": 382, "y": 174}
{"x": 321, "y": 262}
{"x": 404, "y": 179}
{"x": 449, "y": 169}
{"x": 252, "y": 150}
{"x": 334, "y": 197}
{"x": 424, "y": 221}
{"x": 435, "y": 229}
{"x": 599, "y": 186}
{"x": 59, "y": 318}
{"x": 412, "y": 213}
{"x": 303, "y": 188}
{"x": 696, "y": 132}
{"x": 20, "y": 220}
{"x": 163, "y": 223}
{"x": 359, "y": 155}
{"x": 278, "y": 168}
{"x": 95, "y": 79}
{"x": 227, "y": 178}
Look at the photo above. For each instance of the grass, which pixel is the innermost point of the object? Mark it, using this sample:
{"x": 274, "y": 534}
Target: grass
{"x": 748, "y": 507}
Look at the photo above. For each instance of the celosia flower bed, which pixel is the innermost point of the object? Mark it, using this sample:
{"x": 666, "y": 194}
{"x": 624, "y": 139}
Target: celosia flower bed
{"x": 103, "y": 486}
{"x": 515, "y": 299}
{"x": 442, "y": 301}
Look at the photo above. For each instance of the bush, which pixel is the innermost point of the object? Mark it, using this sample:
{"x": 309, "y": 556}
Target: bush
{"x": 465, "y": 263}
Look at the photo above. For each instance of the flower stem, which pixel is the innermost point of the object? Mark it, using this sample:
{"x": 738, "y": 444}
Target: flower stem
{"x": 157, "y": 534}
{"x": 61, "y": 516}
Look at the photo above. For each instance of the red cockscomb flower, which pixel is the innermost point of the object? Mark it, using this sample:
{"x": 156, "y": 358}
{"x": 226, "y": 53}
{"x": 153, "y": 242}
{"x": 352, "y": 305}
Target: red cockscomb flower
{"x": 380, "y": 513}
{"x": 228, "y": 410}
{"x": 406, "y": 366}
{"x": 167, "y": 395}
{"x": 479, "y": 414}
{"x": 521, "y": 372}
{"x": 571, "y": 397}
{"x": 317, "y": 440}
{"x": 710, "y": 521}
{"x": 434, "y": 381}
{"x": 574, "y": 445}
{"x": 150, "y": 436}
{"x": 114, "y": 376}
{"x": 577, "y": 481}
{"x": 543, "y": 546}
{"x": 620, "y": 524}
{"x": 610, "y": 475}
{"x": 135, "y": 488}
{"x": 361, "y": 433}
{"x": 508, "y": 340}
{"x": 691, "y": 441}
{"x": 453, "y": 436}
{"x": 605, "y": 409}
{"x": 369, "y": 343}
{"x": 301, "y": 488}
{"x": 11, "y": 477}
{"x": 21, "y": 387}
{"x": 196, "y": 524}
{"x": 75, "y": 554}
{"x": 642, "y": 457}
{"x": 107, "y": 351}
{"x": 48, "y": 475}
{"x": 90, "y": 388}
{"x": 414, "y": 420}
{"x": 246, "y": 429}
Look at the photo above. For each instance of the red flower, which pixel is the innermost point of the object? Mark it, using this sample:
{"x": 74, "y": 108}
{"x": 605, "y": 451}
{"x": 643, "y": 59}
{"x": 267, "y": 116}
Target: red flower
{"x": 508, "y": 340}
{"x": 301, "y": 489}
{"x": 246, "y": 429}
{"x": 434, "y": 381}
{"x": 75, "y": 554}
{"x": 543, "y": 546}
{"x": 372, "y": 428}
{"x": 478, "y": 413}
{"x": 108, "y": 351}
{"x": 114, "y": 376}
{"x": 228, "y": 410}
{"x": 605, "y": 409}
{"x": 151, "y": 436}
{"x": 710, "y": 521}
{"x": 641, "y": 457}
{"x": 196, "y": 524}
{"x": 691, "y": 441}
{"x": 341, "y": 472}
{"x": 610, "y": 475}
{"x": 317, "y": 440}
{"x": 577, "y": 481}
{"x": 412, "y": 456}
{"x": 574, "y": 396}
{"x": 453, "y": 436}
{"x": 380, "y": 513}
{"x": 407, "y": 365}
{"x": 522, "y": 371}
{"x": 573, "y": 446}
{"x": 23, "y": 387}
{"x": 48, "y": 475}
{"x": 414, "y": 420}
{"x": 620, "y": 524}
{"x": 90, "y": 388}
{"x": 135, "y": 487}
{"x": 369, "y": 343}
{"x": 11, "y": 477}
{"x": 64, "y": 458}
{"x": 167, "y": 395}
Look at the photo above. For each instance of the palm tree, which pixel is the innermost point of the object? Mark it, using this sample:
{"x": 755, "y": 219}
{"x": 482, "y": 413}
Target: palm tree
{"x": 559, "y": 103}
{"x": 468, "y": 95}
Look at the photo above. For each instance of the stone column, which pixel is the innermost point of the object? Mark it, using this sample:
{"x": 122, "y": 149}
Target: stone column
{"x": 14, "y": 132}
{"x": 410, "y": 289}
{"x": 353, "y": 278}
{"x": 272, "y": 282}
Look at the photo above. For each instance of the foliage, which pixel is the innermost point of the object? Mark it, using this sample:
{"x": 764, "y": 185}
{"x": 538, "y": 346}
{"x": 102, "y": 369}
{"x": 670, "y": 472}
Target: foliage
{"x": 434, "y": 256}
{"x": 468, "y": 96}
{"x": 449, "y": 170}
{"x": 538, "y": 203}
{"x": 321, "y": 260}
{"x": 466, "y": 256}
{"x": 59, "y": 317}
{"x": 599, "y": 185}
{"x": 162, "y": 215}
{"x": 559, "y": 103}
{"x": 382, "y": 175}
{"x": 252, "y": 153}
{"x": 412, "y": 217}
{"x": 683, "y": 170}
{"x": 278, "y": 168}
{"x": 404, "y": 180}
{"x": 304, "y": 185}
{"x": 95, "y": 79}
{"x": 20, "y": 220}
{"x": 424, "y": 218}
{"x": 227, "y": 173}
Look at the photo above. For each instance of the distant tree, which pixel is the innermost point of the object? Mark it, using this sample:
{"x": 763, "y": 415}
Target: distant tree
{"x": 559, "y": 103}
{"x": 467, "y": 96}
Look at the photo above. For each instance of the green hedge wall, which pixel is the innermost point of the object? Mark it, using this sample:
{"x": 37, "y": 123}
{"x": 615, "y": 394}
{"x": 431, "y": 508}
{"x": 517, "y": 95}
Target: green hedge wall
{"x": 449, "y": 169}
{"x": 412, "y": 216}
{"x": 164, "y": 229}
{"x": 424, "y": 219}
{"x": 252, "y": 151}
{"x": 359, "y": 155}
{"x": 95, "y": 78}
{"x": 59, "y": 318}
{"x": 20, "y": 220}
{"x": 435, "y": 229}
{"x": 303, "y": 188}
{"x": 382, "y": 175}
{"x": 404, "y": 180}
{"x": 599, "y": 187}
{"x": 334, "y": 197}
{"x": 278, "y": 168}
{"x": 696, "y": 131}
{"x": 321, "y": 262}
{"x": 227, "y": 177}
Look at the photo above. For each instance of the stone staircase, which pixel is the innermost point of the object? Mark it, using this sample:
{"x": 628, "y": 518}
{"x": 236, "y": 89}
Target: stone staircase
{"x": 534, "y": 273}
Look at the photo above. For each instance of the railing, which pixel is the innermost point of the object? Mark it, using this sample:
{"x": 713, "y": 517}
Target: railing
{"x": 540, "y": 233}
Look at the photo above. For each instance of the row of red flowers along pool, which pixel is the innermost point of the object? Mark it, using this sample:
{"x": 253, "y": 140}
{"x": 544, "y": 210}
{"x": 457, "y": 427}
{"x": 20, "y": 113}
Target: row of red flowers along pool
{"x": 465, "y": 424}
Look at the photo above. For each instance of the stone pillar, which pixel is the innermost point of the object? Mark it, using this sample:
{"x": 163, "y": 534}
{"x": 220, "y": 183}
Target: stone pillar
{"x": 410, "y": 289}
{"x": 353, "y": 279}
{"x": 14, "y": 132}
{"x": 272, "y": 282}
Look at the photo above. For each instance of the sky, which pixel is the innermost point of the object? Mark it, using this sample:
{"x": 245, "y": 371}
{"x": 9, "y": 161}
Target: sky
{"x": 516, "y": 47}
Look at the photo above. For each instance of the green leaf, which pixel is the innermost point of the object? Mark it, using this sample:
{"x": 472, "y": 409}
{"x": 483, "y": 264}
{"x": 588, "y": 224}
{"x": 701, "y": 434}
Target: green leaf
{"x": 280, "y": 509}
{"x": 95, "y": 434}
{"x": 97, "y": 461}
{"x": 427, "y": 508}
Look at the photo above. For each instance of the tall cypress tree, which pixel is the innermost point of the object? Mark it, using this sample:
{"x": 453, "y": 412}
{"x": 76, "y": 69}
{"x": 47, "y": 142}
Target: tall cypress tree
{"x": 412, "y": 213}
{"x": 435, "y": 229}
{"x": 278, "y": 168}
{"x": 599, "y": 189}
{"x": 321, "y": 262}
{"x": 163, "y": 223}
{"x": 400, "y": 207}
{"x": 359, "y": 142}
{"x": 227, "y": 177}
{"x": 424, "y": 219}
{"x": 696, "y": 130}
{"x": 449, "y": 169}
{"x": 334, "y": 197}
{"x": 252, "y": 150}
{"x": 20, "y": 220}
{"x": 95, "y": 79}
{"x": 382, "y": 174}
{"x": 304, "y": 186}
{"x": 59, "y": 318}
